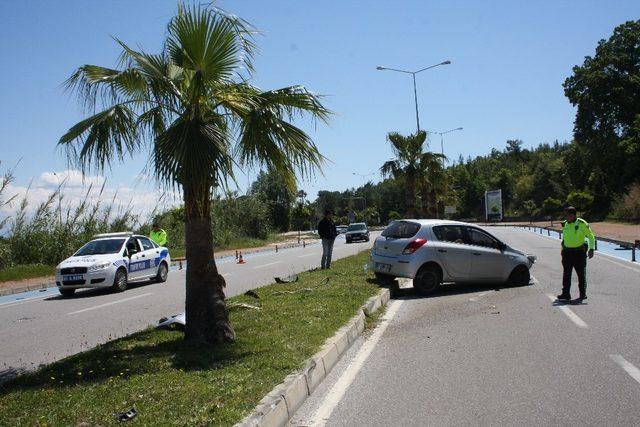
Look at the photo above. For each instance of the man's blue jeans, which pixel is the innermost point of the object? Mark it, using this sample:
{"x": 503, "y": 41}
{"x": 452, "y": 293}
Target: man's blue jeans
{"x": 327, "y": 249}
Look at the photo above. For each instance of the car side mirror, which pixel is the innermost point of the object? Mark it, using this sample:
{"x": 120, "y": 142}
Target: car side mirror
{"x": 502, "y": 246}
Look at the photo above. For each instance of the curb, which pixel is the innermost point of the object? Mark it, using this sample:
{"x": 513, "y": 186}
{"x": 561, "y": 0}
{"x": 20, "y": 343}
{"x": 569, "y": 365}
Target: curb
{"x": 279, "y": 405}
{"x": 11, "y": 291}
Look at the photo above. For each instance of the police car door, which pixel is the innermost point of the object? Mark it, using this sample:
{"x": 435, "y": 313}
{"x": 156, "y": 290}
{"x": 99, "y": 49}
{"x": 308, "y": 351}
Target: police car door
{"x": 149, "y": 254}
{"x": 137, "y": 262}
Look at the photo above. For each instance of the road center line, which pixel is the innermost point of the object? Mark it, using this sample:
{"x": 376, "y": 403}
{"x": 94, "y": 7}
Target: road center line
{"x": 305, "y": 255}
{"x": 110, "y": 303}
{"x": 569, "y": 313}
{"x": 337, "y": 392}
{"x": 267, "y": 265}
{"x": 629, "y": 367}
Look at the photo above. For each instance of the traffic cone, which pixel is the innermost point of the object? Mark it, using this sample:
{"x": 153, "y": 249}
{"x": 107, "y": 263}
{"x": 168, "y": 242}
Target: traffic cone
{"x": 240, "y": 259}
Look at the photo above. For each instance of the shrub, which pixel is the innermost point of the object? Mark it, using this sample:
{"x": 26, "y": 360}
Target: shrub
{"x": 581, "y": 200}
{"x": 551, "y": 206}
{"x": 628, "y": 206}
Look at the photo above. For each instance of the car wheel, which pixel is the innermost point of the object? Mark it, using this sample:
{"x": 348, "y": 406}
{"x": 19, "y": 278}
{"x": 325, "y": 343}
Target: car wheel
{"x": 66, "y": 292}
{"x": 427, "y": 280}
{"x": 520, "y": 276}
{"x": 163, "y": 272}
{"x": 120, "y": 281}
{"x": 348, "y": 241}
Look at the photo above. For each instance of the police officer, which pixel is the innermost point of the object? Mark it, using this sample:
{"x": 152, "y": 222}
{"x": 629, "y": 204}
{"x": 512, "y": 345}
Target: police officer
{"x": 158, "y": 235}
{"x": 574, "y": 252}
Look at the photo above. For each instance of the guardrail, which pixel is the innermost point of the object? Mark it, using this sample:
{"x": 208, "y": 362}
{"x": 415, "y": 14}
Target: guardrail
{"x": 632, "y": 246}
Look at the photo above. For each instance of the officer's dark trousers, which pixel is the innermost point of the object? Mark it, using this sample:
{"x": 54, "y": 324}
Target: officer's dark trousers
{"x": 574, "y": 259}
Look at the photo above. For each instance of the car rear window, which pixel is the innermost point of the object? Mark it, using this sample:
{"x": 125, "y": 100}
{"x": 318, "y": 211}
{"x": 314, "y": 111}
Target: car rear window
{"x": 401, "y": 230}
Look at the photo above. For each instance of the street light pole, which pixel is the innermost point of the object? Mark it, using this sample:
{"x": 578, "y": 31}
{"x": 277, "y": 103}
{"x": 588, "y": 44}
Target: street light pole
{"x": 415, "y": 90}
{"x": 442, "y": 140}
{"x": 415, "y": 97}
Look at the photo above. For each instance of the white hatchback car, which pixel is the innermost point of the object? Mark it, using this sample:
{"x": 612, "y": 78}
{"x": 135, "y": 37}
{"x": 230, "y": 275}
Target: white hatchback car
{"x": 435, "y": 251}
{"x": 113, "y": 260}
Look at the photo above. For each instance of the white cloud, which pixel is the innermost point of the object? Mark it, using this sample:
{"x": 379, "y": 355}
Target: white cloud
{"x": 141, "y": 199}
{"x": 71, "y": 178}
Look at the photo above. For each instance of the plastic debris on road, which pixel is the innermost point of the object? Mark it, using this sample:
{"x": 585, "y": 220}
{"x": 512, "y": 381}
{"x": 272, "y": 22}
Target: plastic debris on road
{"x": 178, "y": 322}
{"x": 126, "y": 416}
{"x": 251, "y": 293}
{"x": 288, "y": 279}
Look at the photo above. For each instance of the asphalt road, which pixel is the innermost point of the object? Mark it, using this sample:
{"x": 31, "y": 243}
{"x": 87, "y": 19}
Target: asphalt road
{"x": 44, "y": 329}
{"x": 496, "y": 356}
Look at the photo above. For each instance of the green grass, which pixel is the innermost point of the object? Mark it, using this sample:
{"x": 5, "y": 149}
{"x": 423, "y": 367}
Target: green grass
{"x": 26, "y": 271}
{"x": 170, "y": 382}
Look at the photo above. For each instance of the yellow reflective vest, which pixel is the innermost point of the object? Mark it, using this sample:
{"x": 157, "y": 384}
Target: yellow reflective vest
{"x": 575, "y": 233}
{"x": 160, "y": 237}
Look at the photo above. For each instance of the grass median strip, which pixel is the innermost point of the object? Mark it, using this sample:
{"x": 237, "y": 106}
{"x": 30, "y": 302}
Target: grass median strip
{"x": 168, "y": 381}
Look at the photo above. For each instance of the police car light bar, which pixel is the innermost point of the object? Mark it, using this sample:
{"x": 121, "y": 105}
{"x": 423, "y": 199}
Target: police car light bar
{"x": 121, "y": 234}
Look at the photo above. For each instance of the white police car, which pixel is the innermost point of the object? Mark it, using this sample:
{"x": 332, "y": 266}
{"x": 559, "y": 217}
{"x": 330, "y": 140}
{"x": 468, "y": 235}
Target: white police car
{"x": 113, "y": 260}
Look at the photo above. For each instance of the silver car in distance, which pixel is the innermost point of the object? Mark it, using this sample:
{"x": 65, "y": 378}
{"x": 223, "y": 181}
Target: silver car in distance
{"x": 433, "y": 251}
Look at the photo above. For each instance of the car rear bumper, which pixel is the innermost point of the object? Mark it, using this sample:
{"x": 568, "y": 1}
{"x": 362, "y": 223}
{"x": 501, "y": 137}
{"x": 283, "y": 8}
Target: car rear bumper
{"x": 393, "y": 266}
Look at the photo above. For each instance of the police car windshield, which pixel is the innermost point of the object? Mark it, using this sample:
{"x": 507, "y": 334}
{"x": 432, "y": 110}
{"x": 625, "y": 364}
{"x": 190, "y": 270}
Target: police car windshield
{"x": 101, "y": 247}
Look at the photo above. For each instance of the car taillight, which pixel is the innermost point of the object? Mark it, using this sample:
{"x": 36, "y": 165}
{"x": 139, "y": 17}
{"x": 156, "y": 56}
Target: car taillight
{"x": 413, "y": 246}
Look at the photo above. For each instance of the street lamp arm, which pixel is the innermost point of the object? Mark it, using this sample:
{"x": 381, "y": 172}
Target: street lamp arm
{"x": 432, "y": 66}
{"x": 393, "y": 69}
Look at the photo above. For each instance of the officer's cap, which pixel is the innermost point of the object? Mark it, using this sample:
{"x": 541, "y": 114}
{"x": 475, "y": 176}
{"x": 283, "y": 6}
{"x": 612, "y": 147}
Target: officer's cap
{"x": 570, "y": 210}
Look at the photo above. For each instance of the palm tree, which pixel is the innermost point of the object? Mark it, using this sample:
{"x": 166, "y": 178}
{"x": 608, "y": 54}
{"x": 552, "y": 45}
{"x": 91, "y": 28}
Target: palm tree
{"x": 411, "y": 165}
{"x": 433, "y": 181}
{"x": 193, "y": 108}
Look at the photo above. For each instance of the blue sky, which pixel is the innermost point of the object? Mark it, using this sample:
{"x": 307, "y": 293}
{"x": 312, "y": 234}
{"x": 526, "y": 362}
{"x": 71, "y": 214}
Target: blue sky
{"x": 509, "y": 59}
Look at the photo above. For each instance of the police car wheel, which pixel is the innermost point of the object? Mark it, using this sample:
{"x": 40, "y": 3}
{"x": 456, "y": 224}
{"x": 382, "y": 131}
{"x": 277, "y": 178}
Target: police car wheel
{"x": 520, "y": 276}
{"x": 120, "y": 281}
{"x": 163, "y": 272}
{"x": 67, "y": 292}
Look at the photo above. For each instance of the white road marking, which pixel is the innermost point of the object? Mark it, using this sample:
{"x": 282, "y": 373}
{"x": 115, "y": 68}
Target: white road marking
{"x": 302, "y": 256}
{"x": 267, "y": 265}
{"x": 480, "y": 295}
{"x": 110, "y": 303}
{"x": 569, "y": 313}
{"x": 335, "y": 395}
{"x": 629, "y": 367}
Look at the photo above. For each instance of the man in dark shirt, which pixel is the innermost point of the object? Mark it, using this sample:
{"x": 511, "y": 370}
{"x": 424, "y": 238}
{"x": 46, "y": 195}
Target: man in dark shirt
{"x": 327, "y": 231}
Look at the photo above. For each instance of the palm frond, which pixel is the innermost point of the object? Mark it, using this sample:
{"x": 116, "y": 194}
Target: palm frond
{"x": 99, "y": 139}
{"x": 194, "y": 152}
{"x": 208, "y": 43}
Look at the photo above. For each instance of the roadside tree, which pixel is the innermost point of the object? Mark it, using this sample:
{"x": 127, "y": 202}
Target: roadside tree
{"x": 192, "y": 108}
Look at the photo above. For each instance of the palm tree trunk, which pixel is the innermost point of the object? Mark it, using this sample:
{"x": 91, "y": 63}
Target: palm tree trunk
{"x": 207, "y": 320}
{"x": 410, "y": 196}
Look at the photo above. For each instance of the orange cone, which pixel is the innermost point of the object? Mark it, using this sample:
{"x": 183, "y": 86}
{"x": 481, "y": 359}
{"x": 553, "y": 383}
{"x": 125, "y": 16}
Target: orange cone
{"x": 240, "y": 259}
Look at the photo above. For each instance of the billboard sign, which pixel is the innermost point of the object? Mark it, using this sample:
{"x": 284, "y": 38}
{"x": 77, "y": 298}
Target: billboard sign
{"x": 493, "y": 205}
